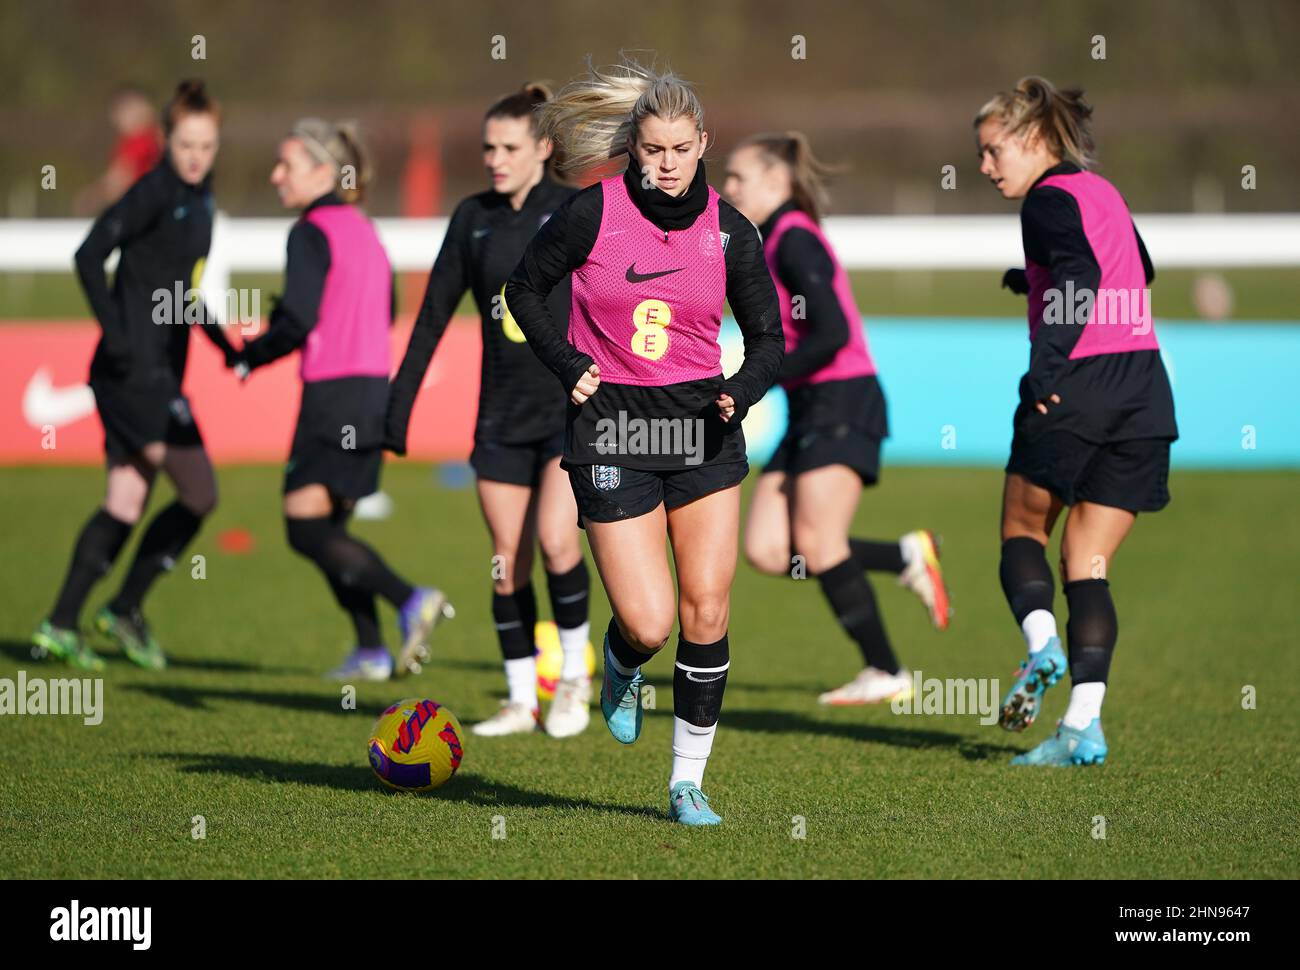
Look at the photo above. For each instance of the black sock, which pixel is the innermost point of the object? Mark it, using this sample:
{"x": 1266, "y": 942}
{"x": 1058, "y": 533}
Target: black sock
{"x": 1091, "y": 630}
{"x": 1026, "y": 577}
{"x": 624, "y": 652}
{"x": 516, "y": 641}
{"x": 568, "y": 592}
{"x": 884, "y": 557}
{"x": 360, "y": 608}
{"x": 854, "y": 602}
{"x": 164, "y": 540}
{"x": 527, "y": 600}
{"x": 514, "y": 633}
{"x": 346, "y": 559}
{"x": 698, "y": 684}
{"x": 93, "y": 556}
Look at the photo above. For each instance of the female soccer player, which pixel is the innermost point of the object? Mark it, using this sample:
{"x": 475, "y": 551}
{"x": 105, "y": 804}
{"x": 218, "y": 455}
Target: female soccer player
{"x": 810, "y": 488}
{"x": 337, "y": 306}
{"x": 653, "y": 443}
{"x": 1096, "y": 415}
{"x": 524, "y": 494}
{"x": 162, "y": 227}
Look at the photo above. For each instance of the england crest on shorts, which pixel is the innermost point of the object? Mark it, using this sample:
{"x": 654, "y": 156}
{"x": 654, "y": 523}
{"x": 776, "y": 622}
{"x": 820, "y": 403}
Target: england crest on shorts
{"x": 605, "y": 477}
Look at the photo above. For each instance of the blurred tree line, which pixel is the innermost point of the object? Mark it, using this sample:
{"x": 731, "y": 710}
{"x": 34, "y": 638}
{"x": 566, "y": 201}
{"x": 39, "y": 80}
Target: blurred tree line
{"x": 1188, "y": 91}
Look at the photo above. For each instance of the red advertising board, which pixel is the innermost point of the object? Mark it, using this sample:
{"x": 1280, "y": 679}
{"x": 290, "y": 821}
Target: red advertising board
{"x": 47, "y": 414}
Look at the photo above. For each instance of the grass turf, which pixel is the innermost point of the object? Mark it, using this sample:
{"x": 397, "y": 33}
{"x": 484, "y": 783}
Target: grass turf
{"x": 243, "y": 731}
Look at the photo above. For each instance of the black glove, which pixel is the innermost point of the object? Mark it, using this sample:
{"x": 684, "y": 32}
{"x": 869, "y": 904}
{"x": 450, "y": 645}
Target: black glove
{"x": 1016, "y": 281}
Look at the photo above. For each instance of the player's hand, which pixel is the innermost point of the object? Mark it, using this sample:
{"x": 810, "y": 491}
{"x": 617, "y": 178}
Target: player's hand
{"x": 726, "y": 406}
{"x": 1050, "y": 399}
{"x": 1016, "y": 281}
{"x": 586, "y": 386}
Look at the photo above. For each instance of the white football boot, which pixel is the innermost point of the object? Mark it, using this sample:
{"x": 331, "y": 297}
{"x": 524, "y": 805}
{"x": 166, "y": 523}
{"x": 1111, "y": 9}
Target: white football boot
{"x": 871, "y": 686}
{"x": 924, "y": 576}
{"x": 569, "y": 713}
{"x": 513, "y": 718}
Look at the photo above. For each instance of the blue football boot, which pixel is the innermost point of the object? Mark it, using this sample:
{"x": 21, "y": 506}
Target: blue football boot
{"x": 1068, "y": 746}
{"x": 687, "y": 805}
{"x": 620, "y": 701}
{"x": 1021, "y": 705}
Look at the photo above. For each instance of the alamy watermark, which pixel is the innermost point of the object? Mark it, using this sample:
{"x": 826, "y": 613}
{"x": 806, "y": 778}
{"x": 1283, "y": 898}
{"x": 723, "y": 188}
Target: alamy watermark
{"x": 179, "y": 305}
{"x": 77, "y": 923}
{"x": 81, "y": 696}
{"x": 651, "y": 436}
{"x": 1114, "y": 307}
{"x": 932, "y": 695}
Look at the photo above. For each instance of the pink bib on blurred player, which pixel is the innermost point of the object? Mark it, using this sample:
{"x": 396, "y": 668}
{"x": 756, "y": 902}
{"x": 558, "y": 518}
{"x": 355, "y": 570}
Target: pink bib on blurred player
{"x": 851, "y": 360}
{"x": 1120, "y": 320}
{"x": 647, "y": 304}
{"x": 350, "y": 338}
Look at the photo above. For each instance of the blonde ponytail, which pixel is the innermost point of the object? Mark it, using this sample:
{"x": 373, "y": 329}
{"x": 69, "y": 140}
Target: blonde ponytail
{"x": 595, "y": 118}
{"x": 1061, "y": 117}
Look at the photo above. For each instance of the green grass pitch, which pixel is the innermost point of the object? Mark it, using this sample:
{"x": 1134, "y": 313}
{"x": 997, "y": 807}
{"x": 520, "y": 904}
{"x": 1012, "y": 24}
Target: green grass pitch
{"x": 243, "y": 731}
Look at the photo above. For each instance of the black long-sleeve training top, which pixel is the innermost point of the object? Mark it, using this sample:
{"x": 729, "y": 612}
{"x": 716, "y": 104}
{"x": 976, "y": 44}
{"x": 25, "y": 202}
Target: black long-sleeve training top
{"x": 563, "y": 245}
{"x": 518, "y": 400}
{"x": 163, "y": 228}
{"x": 1107, "y": 397}
{"x": 805, "y": 267}
{"x": 297, "y": 309}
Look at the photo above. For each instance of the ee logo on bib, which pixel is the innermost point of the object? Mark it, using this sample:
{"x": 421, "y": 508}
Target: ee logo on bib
{"x": 651, "y": 319}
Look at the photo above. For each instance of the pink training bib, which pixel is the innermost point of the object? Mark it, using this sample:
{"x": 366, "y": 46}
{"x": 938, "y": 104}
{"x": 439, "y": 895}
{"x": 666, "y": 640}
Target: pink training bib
{"x": 851, "y": 360}
{"x": 647, "y": 304}
{"x": 350, "y": 338}
{"x": 1120, "y": 320}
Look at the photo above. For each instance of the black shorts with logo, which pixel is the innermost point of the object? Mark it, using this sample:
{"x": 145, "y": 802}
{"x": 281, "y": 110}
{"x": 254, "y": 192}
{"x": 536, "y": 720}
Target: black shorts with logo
{"x": 608, "y": 493}
{"x": 520, "y": 464}
{"x": 839, "y": 444}
{"x": 838, "y": 422}
{"x": 1132, "y": 475}
{"x": 339, "y": 437}
{"x": 137, "y": 416}
{"x": 345, "y": 472}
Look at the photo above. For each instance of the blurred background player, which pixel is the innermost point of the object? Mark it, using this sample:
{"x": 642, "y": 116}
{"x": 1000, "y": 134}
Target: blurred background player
{"x": 337, "y": 306}
{"x": 162, "y": 228}
{"x": 519, "y": 434}
{"x": 136, "y": 150}
{"x": 654, "y": 253}
{"x": 1096, "y": 414}
{"x": 805, "y": 499}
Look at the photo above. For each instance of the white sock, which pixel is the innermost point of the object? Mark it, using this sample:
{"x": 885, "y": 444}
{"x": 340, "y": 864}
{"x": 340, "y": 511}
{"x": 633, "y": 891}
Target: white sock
{"x": 691, "y": 747}
{"x": 1085, "y": 705}
{"x": 573, "y": 642}
{"x": 1039, "y": 627}
{"x": 521, "y": 675}
{"x": 612, "y": 661}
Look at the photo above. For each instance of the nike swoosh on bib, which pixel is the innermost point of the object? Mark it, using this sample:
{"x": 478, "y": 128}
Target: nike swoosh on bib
{"x": 634, "y": 277}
